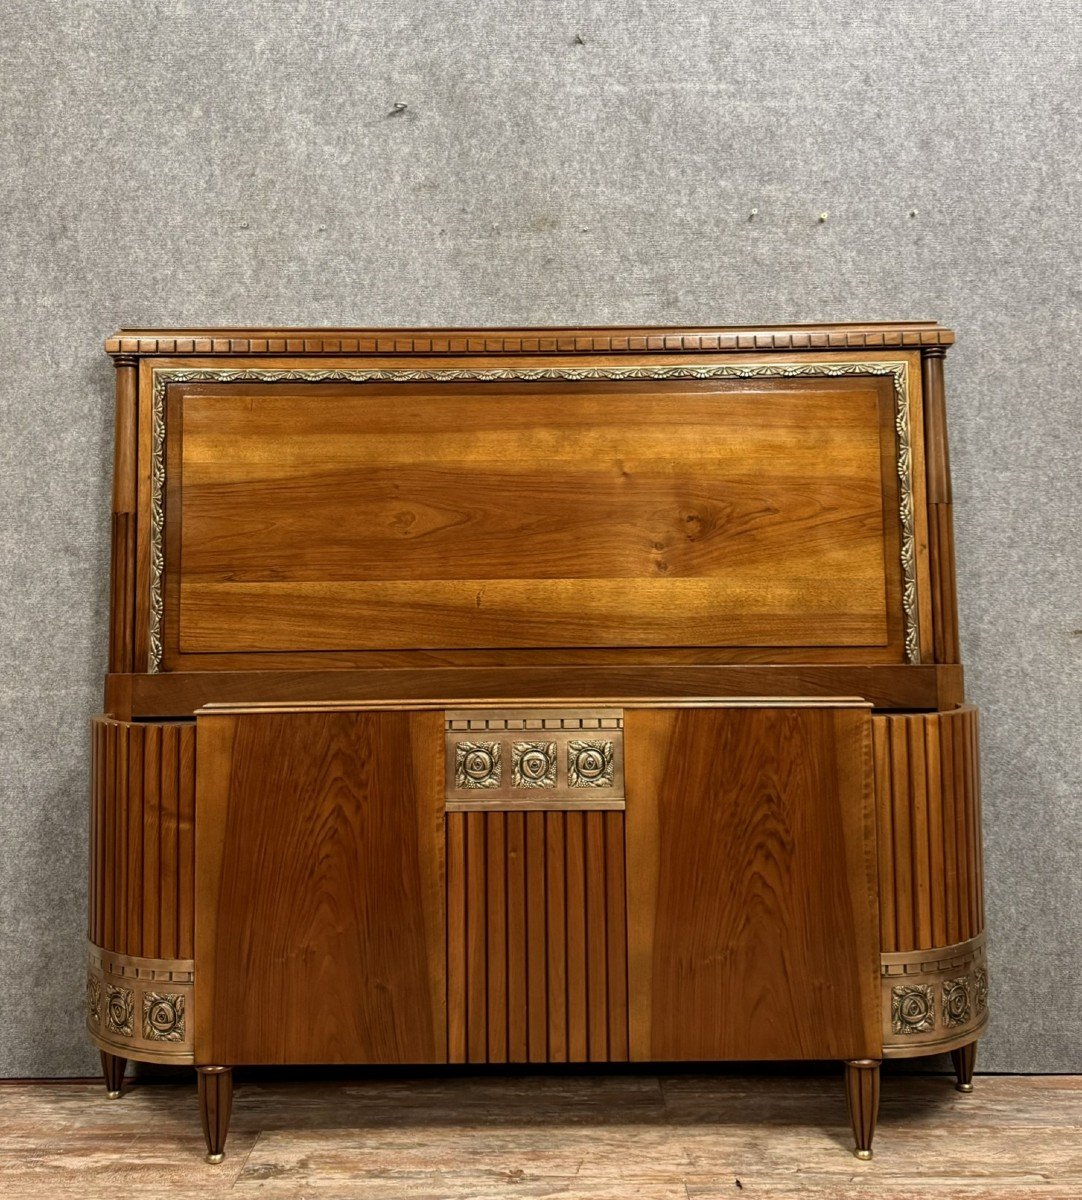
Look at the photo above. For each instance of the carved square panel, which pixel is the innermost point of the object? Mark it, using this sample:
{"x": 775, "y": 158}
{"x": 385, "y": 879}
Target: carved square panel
{"x": 956, "y": 1003}
{"x": 120, "y": 1010}
{"x": 478, "y": 765}
{"x": 912, "y": 1008}
{"x": 590, "y": 764}
{"x": 163, "y": 1016}
{"x": 533, "y": 765}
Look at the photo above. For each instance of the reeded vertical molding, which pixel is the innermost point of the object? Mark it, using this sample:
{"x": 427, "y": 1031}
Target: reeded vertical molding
{"x": 536, "y": 937}
{"x": 142, "y": 838}
{"x": 934, "y": 974}
{"x": 862, "y": 1093}
{"x": 141, "y": 919}
{"x": 936, "y": 452}
{"x": 215, "y": 1107}
{"x": 927, "y": 786}
{"x": 945, "y": 645}
{"x": 122, "y": 574}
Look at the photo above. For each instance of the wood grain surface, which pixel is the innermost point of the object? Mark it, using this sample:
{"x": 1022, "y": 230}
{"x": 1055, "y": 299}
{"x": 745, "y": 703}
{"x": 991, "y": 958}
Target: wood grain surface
{"x": 139, "y": 353}
{"x": 944, "y": 584}
{"x": 943, "y": 577}
{"x": 536, "y": 937}
{"x": 124, "y": 509}
{"x": 751, "y": 884}
{"x": 320, "y": 901}
{"x": 573, "y": 679}
{"x": 547, "y": 1136}
{"x": 339, "y": 517}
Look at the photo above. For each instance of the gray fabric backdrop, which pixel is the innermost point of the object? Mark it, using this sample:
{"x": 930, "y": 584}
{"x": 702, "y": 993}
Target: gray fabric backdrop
{"x": 207, "y": 163}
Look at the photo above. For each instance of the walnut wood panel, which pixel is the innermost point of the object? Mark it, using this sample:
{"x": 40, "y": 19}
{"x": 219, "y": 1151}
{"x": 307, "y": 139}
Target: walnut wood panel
{"x": 751, "y": 884}
{"x": 250, "y": 617}
{"x": 536, "y": 937}
{"x": 181, "y": 693}
{"x": 928, "y": 800}
{"x": 277, "y": 349}
{"x": 944, "y": 598}
{"x": 802, "y": 657}
{"x": 937, "y": 450}
{"x": 122, "y": 570}
{"x": 414, "y": 484}
{"x": 122, "y": 591}
{"x": 337, "y": 517}
{"x": 320, "y": 903}
{"x": 142, "y": 839}
{"x": 940, "y": 511}
{"x": 910, "y": 334}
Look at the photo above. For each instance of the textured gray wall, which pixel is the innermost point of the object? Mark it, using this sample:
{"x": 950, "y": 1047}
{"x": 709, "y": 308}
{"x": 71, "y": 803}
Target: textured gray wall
{"x": 204, "y": 163}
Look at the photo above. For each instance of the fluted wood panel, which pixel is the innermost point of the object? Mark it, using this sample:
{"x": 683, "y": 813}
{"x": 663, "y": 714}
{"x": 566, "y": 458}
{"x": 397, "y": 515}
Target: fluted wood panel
{"x": 122, "y": 574}
{"x": 122, "y": 583}
{"x": 537, "y": 939}
{"x": 928, "y": 800}
{"x": 142, "y": 846}
{"x": 944, "y": 591}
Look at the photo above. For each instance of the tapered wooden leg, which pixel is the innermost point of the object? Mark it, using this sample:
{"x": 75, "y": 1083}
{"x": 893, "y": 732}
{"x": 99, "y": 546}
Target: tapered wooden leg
{"x": 215, "y": 1105}
{"x": 112, "y": 1067}
{"x": 964, "y": 1059}
{"x": 862, "y": 1092}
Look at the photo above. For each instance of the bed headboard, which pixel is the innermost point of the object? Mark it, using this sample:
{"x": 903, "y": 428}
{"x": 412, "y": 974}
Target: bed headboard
{"x": 344, "y": 500}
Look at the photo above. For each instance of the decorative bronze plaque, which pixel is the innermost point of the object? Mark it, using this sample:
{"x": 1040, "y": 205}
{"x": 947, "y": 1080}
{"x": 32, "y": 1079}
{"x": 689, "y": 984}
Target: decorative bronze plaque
{"x": 535, "y": 759}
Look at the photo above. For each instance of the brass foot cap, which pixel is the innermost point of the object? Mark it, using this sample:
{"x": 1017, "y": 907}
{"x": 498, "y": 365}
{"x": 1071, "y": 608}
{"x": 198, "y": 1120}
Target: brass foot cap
{"x": 215, "y": 1159}
{"x": 963, "y": 1087}
{"x": 112, "y": 1095}
{"x": 863, "y": 1155}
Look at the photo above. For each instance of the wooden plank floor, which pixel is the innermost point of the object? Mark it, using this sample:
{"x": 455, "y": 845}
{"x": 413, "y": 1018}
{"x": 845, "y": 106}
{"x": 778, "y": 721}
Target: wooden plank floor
{"x": 592, "y": 1137}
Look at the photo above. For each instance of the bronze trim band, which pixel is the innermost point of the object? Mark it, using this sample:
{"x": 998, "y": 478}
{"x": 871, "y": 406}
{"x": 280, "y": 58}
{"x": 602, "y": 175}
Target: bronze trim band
{"x": 908, "y": 962}
{"x": 949, "y": 1041}
{"x": 533, "y": 759}
{"x": 178, "y": 970}
{"x": 934, "y": 999}
{"x": 140, "y": 1008}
